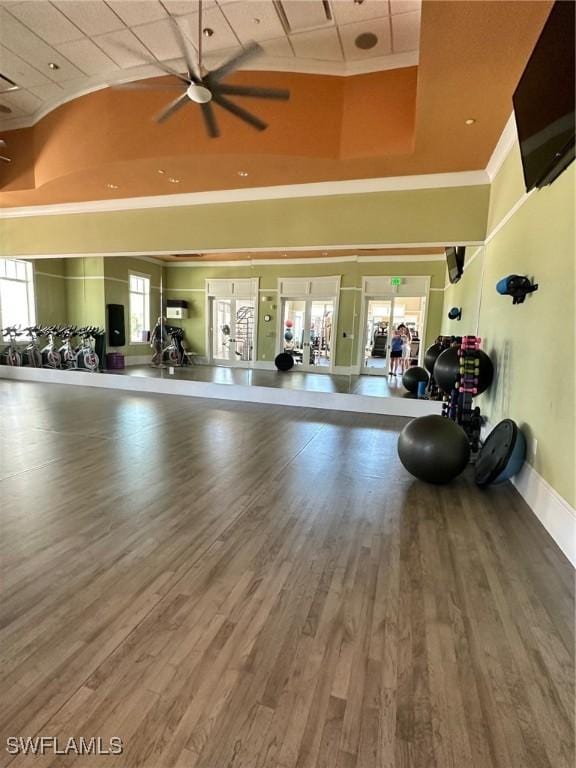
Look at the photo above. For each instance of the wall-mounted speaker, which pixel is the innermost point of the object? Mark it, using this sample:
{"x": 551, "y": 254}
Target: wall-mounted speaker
{"x": 116, "y": 325}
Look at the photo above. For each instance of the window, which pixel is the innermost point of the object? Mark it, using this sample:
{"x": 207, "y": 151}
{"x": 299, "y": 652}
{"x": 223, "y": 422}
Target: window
{"x": 139, "y": 308}
{"x": 16, "y": 293}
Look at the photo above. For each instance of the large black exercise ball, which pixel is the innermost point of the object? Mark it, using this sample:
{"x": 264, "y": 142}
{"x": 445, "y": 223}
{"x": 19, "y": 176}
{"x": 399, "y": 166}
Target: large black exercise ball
{"x": 431, "y": 355}
{"x": 447, "y": 367}
{"x": 412, "y": 376}
{"x": 284, "y": 361}
{"x": 433, "y": 449}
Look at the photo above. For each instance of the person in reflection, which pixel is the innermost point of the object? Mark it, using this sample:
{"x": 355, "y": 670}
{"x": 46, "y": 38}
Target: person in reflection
{"x": 158, "y": 341}
{"x": 406, "y": 342}
{"x": 395, "y": 353}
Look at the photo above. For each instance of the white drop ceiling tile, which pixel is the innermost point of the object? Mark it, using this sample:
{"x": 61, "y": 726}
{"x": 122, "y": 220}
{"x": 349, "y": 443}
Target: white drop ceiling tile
{"x": 350, "y": 32}
{"x": 19, "y": 39}
{"x": 406, "y": 32}
{"x": 278, "y": 48}
{"x": 253, "y": 20}
{"x": 93, "y": 17}
{"x": 405, "y": 6}
{"x": 347, "y": 12}
{"x": 23, "y": 101}
{"x": 306, "y": 15}
{"x": 18, "y": 70}
{"x": 124, "y": 48}
{"x": 185, "y": 7}
{"x": 214, "y": 59}
{"x": 212, "y": 18}
{"x": 88, "y": 57}
{"x": 322, "y": 45}
{"x": 159, "y": 37}
{"x": 135, "y": 12}
{"x": 46, "y": 21}
{"x": 51, "y": 92}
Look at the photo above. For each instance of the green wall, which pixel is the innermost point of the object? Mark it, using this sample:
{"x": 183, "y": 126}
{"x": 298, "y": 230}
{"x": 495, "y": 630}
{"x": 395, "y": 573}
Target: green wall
{"x": 414, "y": 216}
{"x": 532, "y": 344}
{"x": 50, "y": 292}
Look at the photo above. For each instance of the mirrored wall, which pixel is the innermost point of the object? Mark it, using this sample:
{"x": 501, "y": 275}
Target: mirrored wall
{"x": 345, "y": 324}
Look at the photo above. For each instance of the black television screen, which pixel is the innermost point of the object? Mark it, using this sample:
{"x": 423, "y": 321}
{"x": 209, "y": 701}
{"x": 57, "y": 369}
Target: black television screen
{"x": 544, "y": 100}
{"x": 455, "y": 262}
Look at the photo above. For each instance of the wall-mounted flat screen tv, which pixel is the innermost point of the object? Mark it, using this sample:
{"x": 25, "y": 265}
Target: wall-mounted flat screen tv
{"x": 455, "y": 262}
{"x": 544, "y": 100}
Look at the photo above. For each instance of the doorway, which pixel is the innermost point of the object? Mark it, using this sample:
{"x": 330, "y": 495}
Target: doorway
{"x": 381, "y": 317}
{"x": 307, "y": 333}
{"x": 232, "y": 331}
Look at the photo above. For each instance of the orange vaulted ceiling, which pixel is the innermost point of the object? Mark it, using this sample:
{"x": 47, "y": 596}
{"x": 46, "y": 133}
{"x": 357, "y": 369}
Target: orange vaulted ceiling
{"x": 392, "y": 123}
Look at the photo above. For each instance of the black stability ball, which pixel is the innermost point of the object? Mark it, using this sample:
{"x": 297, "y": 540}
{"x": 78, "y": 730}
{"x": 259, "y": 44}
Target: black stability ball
{"x": 447, "y": 367}
{"x": 284, "y": 361}
{"x": 412, "y": 376}
{"x": 431, "y": 355}
{"x": 433, "y": 449}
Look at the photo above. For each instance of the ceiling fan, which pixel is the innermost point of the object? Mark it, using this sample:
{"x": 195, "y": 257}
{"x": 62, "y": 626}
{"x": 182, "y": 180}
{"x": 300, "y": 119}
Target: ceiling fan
{"x": 3, "y": 158}
{"x": 202, "y": 87}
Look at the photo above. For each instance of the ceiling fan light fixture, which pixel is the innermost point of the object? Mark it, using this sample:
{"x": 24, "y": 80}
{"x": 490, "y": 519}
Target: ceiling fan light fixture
{"x": 199, "y": 93}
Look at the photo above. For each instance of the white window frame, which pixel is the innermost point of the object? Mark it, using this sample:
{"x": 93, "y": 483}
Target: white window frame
{"x": 146, "y": 295}
{"x": 30, "y": 289}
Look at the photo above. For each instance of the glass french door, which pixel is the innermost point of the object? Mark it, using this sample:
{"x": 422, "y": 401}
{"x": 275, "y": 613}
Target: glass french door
{"x": 308, "y": 327}
{"x": 232, "y": 331}
{"x": 382, "y": 318}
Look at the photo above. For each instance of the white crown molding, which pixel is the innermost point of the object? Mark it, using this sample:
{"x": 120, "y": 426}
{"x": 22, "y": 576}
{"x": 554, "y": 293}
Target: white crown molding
{"x": 502, "y": 149}
{"x": 282, "y": 192}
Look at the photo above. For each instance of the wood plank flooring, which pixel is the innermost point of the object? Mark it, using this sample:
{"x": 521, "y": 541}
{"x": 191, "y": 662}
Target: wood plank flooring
{"x": 240, "y": 586}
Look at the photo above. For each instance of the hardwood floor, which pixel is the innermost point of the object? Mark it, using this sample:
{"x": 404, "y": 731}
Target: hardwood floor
{"x": 243, "y": 586}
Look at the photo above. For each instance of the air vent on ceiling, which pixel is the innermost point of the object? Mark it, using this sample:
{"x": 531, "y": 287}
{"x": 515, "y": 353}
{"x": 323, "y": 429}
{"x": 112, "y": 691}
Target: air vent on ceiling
{"x": 298, "y": 17}
{"x": 7, "y": 85}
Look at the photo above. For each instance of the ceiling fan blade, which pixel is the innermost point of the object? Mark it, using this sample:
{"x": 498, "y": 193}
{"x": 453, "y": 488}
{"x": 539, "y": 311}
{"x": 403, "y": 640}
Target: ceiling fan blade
{"x": 5, "y": 159}
{"x": 148, "y": 86}
{"x": 239, "y": 112}
{"x": 193, "y": 68}
{"x": 173, "y": 107}
{"x": 278, "y": 94}
{"x": 210, "y": 120}
{"x": 252, "y": 50}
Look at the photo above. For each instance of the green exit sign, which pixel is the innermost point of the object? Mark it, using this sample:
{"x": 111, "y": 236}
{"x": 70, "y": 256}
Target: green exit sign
{"x": 395, "y": 281}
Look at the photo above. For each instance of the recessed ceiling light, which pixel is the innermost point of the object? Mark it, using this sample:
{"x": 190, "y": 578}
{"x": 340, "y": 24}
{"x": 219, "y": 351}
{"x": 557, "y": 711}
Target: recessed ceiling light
{"x": 207, "y": 32}
{"x": 242, "y": 173}
{"x": 52, "y": 65}
{"x": 256, "y": 21}
{"x": 366, "y": 41}
{"x": 358, "y": 2}
{"x": 111, "y": 186}
{"x": 470, "y": 121}
{"x": 173, "y": 180}
{"x": 161, "y": 171}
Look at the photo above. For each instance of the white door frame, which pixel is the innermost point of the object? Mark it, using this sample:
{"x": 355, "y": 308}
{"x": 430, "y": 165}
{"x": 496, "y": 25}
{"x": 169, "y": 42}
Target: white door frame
{"x": 241, "y": 289}
{"x": 312, "y": 289}
{"x": 387, "y": 295}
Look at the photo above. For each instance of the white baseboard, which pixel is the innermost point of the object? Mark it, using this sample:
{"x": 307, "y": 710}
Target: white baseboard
{"x": 553, "y": 511}
{"x": 329, "y": 401}
{"x": 264, "y": 365}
